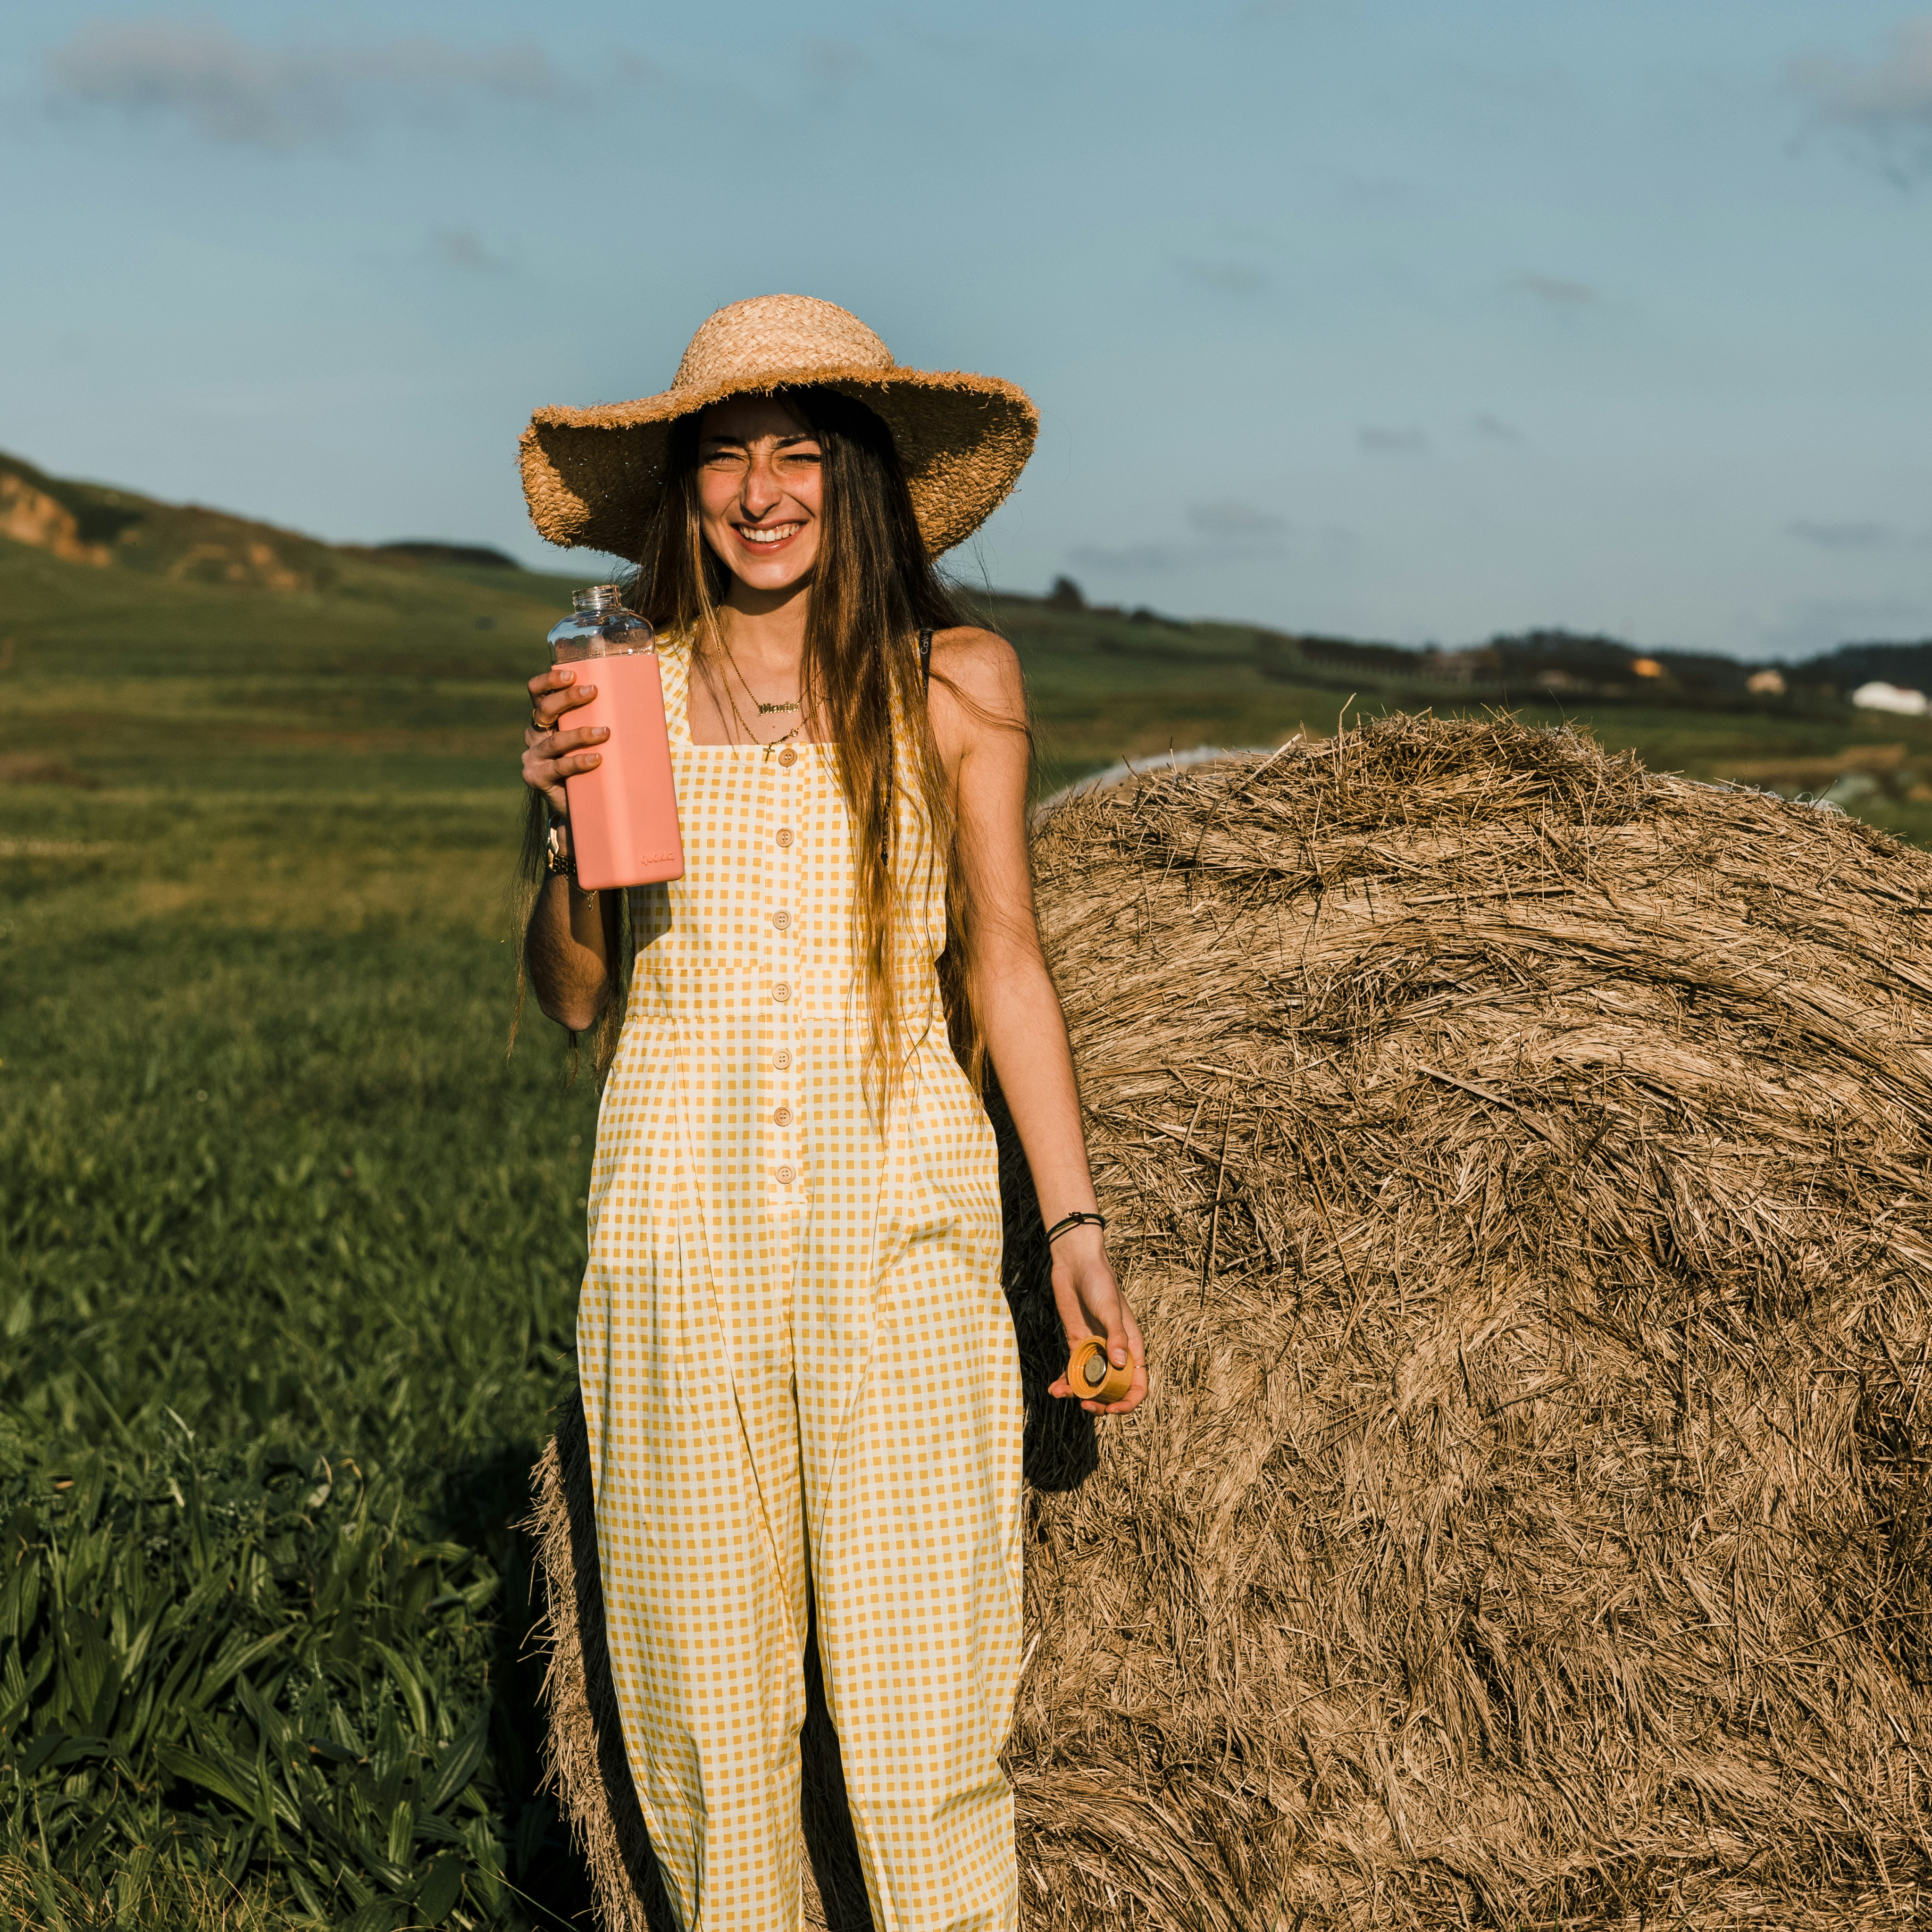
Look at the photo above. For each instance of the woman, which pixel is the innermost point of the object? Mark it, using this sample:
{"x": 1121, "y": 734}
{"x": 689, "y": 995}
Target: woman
{"x": 798, "y": 1370}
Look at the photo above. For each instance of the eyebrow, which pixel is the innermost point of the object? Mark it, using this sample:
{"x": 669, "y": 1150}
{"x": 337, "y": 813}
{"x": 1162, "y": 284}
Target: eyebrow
{"x": 741, "y": 443}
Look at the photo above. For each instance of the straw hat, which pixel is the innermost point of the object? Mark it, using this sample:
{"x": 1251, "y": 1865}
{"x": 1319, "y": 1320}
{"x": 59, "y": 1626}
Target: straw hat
{"x": 592, "y": 476}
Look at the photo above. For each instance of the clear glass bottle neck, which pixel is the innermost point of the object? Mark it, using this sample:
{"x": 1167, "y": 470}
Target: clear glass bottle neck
{"x": 598, "y": 599}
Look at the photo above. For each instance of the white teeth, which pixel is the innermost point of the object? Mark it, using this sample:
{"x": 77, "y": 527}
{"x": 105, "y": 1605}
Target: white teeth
{"x": 776, "y": 534}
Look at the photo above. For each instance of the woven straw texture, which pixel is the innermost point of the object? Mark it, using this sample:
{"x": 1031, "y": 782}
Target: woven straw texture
{"x": 1519, "y": 1163}
{"x": 592, "y": 476}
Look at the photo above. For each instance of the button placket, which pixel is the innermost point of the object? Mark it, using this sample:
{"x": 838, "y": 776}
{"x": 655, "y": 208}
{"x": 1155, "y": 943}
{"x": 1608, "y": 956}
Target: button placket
{"x": 781, "y": 978}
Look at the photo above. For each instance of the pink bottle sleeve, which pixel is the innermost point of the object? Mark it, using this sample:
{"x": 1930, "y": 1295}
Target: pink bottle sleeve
{"x": 623, "y": 815}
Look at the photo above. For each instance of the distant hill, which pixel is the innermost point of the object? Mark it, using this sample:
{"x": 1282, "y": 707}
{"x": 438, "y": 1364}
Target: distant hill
{"x": 185, "y": 543}
{"x": 1529, "y": 666}
{"x": 1851, "y": 665}
{"x": 1541, "y": 666}
{"x": 89, "y": 523}
{"x": 484, "y": 557}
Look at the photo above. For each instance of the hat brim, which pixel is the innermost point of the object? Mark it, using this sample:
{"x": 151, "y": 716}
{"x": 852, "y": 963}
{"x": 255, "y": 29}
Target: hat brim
{"x": 592, "y": 477}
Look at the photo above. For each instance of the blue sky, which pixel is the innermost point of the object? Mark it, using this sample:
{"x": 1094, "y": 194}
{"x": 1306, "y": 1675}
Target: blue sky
{"x": 1410, "y": 319}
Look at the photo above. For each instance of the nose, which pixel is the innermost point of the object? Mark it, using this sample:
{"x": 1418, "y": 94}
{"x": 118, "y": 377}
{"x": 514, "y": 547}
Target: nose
{"x": 762, "y": 488}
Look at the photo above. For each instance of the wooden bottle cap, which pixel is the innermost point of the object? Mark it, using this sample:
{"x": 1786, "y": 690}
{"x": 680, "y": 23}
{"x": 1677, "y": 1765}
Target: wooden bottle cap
{"x": 1093, "y": 1378}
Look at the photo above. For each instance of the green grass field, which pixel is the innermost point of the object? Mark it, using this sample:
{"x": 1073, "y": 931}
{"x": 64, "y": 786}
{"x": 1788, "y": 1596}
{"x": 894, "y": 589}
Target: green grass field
{"x": 289, "y": 1244}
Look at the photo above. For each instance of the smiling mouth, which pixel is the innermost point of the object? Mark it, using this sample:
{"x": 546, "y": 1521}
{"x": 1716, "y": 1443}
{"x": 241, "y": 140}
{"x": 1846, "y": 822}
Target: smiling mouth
{"x": 770, "y": 534}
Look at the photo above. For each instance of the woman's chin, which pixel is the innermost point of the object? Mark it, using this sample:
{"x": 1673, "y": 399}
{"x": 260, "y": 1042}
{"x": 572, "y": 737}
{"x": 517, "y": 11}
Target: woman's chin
{"x": 773, "y": 576}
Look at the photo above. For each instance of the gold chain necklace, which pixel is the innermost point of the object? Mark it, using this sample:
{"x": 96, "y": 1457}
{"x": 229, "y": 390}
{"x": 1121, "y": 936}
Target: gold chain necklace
{"x": 762, "y": 708}
{"x": 744, "y": 724}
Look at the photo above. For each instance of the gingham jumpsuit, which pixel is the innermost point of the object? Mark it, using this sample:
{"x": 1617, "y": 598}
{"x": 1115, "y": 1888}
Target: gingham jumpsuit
{"x": 800, "y": 1373}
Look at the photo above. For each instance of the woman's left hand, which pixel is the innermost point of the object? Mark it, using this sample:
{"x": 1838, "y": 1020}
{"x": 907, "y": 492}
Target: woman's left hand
{"x": 1090, "y": 1303}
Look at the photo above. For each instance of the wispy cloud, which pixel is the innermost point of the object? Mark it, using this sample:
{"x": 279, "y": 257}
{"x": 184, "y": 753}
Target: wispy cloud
{"x": 464, "y": 248}
{"x": 1885, "y": 104}
{"x": 1857, "y": 534}
{"x": 232, "y": 90}
{"x": 639, "y": 72}
{"x": 1228, "y": 530}
{"x": 1230, "y": 277}
{"x": 1379, "y": 441}
{"x": 833, "y": 64}
{"x": 1135, "y": 560}
{"x": 1816, "y": 624}
{"x": 1559, "y": 292}
{"x": 1375, "y": 193}
{"x": 1237, "y": 524}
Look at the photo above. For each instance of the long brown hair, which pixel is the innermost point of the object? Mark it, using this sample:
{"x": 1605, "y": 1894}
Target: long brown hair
{"x": 873, "y": 589}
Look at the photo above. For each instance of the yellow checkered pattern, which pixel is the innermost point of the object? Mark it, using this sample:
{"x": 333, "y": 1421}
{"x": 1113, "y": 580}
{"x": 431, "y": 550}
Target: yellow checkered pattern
{"x": 799, "y": 1374}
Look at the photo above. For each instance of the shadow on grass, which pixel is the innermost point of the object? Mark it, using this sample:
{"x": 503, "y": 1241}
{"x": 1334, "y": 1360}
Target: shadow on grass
{"x": 482, "y": 1504}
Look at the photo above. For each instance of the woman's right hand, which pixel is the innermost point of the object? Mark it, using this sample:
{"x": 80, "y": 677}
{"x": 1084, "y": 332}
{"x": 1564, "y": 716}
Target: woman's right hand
{"x": 551, "y": 753}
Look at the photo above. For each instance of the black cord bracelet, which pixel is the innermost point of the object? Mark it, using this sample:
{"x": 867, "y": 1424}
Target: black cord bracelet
{"x": 1079, "y": 1218}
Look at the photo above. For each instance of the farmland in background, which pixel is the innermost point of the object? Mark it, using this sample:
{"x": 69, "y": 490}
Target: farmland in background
{"x": 288, "y": 1246}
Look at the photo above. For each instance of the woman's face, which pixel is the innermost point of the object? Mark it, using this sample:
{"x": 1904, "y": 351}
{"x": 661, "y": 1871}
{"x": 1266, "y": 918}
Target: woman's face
{"x": 760, "y": 490}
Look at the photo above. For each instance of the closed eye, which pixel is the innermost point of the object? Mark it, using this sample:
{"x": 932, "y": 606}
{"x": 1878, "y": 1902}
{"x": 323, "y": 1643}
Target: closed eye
{"x": 791, "y": 448}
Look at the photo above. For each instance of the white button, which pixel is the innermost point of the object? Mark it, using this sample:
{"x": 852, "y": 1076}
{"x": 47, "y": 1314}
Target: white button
{"x": 781, "y": 1059}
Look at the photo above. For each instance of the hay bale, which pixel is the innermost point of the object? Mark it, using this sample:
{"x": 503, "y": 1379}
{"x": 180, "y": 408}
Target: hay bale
{"x": 1519, "y": 1162}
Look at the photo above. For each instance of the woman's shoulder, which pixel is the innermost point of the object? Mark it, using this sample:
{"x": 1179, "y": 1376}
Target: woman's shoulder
{"x": 982, "y": 662}
{"x": 977, "y": 687}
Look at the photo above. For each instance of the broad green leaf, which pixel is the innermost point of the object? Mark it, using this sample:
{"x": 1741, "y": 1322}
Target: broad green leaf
{"x": 379, "y": 1914}
{"x": 23, "y": 1572}
{"x": 236, "y": 1659}
{"x": 197, "y": 1769}
{"x": 53, "y": 1749}
{"x": 406, "y": 1680}
{"x": 442, "y": 1886}
{"x": 455, "y": 1764}
{"x": 402, "y": 1834}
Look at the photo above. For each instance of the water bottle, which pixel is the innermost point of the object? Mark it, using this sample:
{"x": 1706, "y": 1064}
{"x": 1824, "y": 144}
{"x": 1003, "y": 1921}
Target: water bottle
{"x": 623, "y": 814}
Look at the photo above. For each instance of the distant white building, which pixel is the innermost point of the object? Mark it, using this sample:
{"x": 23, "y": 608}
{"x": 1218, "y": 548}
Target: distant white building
{"x": 1878, "y": 696}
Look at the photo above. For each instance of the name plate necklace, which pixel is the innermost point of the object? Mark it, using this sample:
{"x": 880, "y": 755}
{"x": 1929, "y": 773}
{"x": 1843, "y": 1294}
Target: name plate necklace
{"x": 764, "y": 710}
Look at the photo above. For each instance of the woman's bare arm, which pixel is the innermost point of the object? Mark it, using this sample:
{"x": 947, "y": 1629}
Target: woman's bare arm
{"x": 567, "y": 953}
{"x": 567, "y": 945}
{"x": 978, "y": 709}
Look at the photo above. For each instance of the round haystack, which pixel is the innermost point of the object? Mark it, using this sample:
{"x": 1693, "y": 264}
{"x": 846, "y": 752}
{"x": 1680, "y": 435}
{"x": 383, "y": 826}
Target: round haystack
{"x": 1519, "y": 1163}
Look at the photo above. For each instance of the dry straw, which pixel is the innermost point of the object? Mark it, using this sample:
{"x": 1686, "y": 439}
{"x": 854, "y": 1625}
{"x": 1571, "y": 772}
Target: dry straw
{"x": 1520, "y": 1162}
{"x": 593, "y": 476}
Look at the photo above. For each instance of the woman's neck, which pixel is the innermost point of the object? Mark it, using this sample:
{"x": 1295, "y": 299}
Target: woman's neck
{"x": 752, "y": 690}
{"x": 766, "y": 628}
